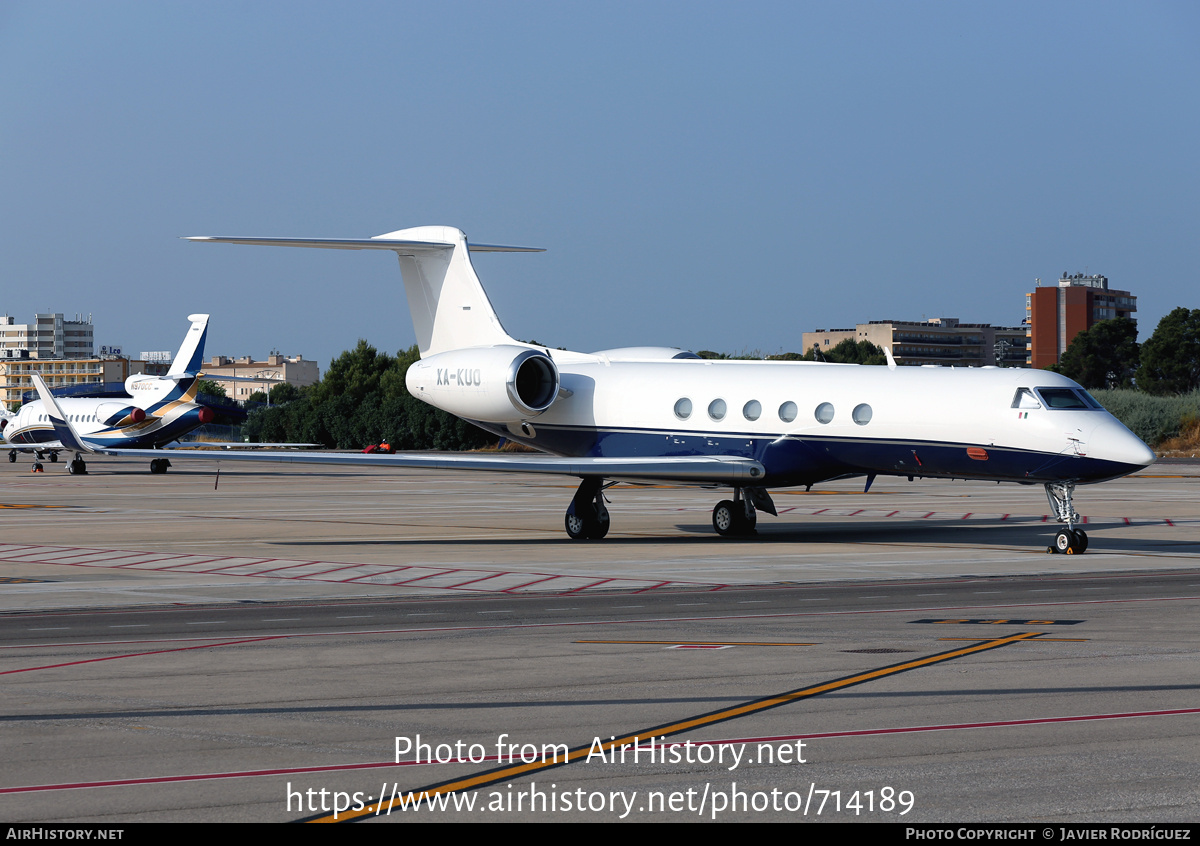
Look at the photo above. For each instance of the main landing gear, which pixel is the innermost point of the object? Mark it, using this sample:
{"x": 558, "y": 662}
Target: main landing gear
{"x": 587, "y": 517}
{"x": 77, "y": 467}
{"x": 1069, "y": 541}
{"x": 736, "y": 517}
{"x": 159, "y": 465}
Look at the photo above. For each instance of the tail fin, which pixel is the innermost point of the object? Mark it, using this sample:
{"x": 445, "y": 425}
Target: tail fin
{"x": 191, "y": 352}
{"x": 448, "y": 305}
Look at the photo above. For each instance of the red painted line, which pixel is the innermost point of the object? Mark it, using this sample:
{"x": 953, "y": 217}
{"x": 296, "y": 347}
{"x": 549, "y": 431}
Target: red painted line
{"x": 1168, "y": 522}
{"x": 125, "y": 782}
{"x": 1004, "y": 517}
{"x": 326, "y": 572}
{"x": 1036, "y": 721}
{"x": 968, "y": 514}
{"x": 249, "y": 563}
{"x": 1045, "y": 517}
{"x": 78, "y": 554}
{"x": 527, "y": 584}
{"x": 201, "y": 561}
{"x": 652, "y": 587}
{"x": 893, "y": 514}
{"x": 152, "y": 559}
{"x": 377, "y": 575}
{"x": 126, "y": 555}
{"x": 137, "y": 655}
{"x": 418, "y": 578}
{"x": 786, "y": 510}
{"x": 585, "y": 587}
{"x": 1126, "y": 519}
{"x": 930, "y": 514}
{"x": 818, "y": 511}
{"x": 852, "y": 513}
{"x": 461, "y": 585}
{"x": 297, "y": 564}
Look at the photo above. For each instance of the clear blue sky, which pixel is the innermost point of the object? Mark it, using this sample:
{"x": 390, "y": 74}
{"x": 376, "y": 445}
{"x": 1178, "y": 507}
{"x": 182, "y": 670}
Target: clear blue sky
{"x": 704, "y": 175}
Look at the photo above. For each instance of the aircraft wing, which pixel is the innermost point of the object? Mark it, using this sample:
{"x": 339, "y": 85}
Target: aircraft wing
{"x": 690, "y": 468}
{"x": 42, "y": 446}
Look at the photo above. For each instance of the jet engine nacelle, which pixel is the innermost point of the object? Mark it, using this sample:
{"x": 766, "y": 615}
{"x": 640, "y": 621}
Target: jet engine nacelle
{"x": 119, "y": 414}
{"x": 501, "y": 384}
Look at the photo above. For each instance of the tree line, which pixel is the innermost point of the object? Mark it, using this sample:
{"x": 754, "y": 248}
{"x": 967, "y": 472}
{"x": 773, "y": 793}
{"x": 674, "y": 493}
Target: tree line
{"x": 361, "y": 400}
{"x": 1109, "y": 356}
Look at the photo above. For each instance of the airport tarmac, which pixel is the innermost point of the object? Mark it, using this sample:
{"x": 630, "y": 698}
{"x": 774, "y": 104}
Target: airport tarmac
{"x": 201, "y": 647}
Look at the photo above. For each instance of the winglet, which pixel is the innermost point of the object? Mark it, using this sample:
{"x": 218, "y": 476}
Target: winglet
{"x": 63, "y": 430}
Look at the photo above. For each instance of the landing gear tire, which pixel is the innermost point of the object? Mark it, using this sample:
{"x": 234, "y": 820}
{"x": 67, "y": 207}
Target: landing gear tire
{"x": 159, "y": 465}
{"x": 580, "y": 528}
{"x": 78, "y": 467}
{"x": 1070, "y": 542}
{"x": 12, "y": 456}
{"x": 37, "y": 467}
{"x": 587, "y": 518}
{"x": 730, "y": 519}
{"x": 54, "y": 458}
{"x": 724, "y": 518}
{"x": 599, "y": 528}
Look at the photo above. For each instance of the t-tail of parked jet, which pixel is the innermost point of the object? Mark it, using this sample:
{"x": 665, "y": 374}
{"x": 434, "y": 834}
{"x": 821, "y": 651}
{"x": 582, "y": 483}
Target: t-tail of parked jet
{"x": 449, "y": 308}
{"x": 159, "y": 394}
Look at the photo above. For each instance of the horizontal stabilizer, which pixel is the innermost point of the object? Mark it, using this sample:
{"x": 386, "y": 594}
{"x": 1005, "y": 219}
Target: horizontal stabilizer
{"x": 448, "y": 305}
{"x": 400, "y": 246}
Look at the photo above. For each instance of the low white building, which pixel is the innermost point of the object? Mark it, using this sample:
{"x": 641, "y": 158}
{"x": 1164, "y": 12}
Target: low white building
{"x": 294, "y": 369}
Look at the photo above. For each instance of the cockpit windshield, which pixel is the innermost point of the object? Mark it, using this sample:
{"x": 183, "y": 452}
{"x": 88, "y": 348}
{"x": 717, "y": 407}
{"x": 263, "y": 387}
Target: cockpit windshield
{"x": 1067, "y": 398}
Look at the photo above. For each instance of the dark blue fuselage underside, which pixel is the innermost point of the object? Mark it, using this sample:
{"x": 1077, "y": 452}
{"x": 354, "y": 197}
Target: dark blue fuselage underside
{"x": 805, "y": 460}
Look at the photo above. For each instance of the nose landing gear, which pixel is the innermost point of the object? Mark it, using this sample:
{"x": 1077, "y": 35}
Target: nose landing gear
{"x": 1069, "y": 541}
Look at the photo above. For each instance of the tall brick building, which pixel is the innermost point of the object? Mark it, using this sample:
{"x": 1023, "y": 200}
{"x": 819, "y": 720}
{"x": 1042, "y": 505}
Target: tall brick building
{"x": 1056, "y": 315}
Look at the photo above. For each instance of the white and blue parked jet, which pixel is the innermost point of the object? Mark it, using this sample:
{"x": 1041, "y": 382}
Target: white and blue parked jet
{"x": 653, "y": 414}
{"x": 159, "y": 410}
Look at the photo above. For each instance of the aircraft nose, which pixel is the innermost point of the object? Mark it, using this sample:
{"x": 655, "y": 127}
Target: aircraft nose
{"x": 1113, "y": 442}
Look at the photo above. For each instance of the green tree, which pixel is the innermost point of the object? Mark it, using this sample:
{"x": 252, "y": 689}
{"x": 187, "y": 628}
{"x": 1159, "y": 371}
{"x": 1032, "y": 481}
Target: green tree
{"x": 284, "y": 392}
{"x": 1170, "y": 360}
{"x": 214, "y": 389}
{"x": 352, "y": 375}
{"x": 361, "y": 400}
{"x": 1105, "y": 356}
{"x": 849, "y": 351}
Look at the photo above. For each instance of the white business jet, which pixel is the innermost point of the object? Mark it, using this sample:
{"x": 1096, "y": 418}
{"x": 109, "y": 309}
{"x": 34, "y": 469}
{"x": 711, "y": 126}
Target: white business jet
{"x": 652, "y": 414}
{"x": 159, "y": 410}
